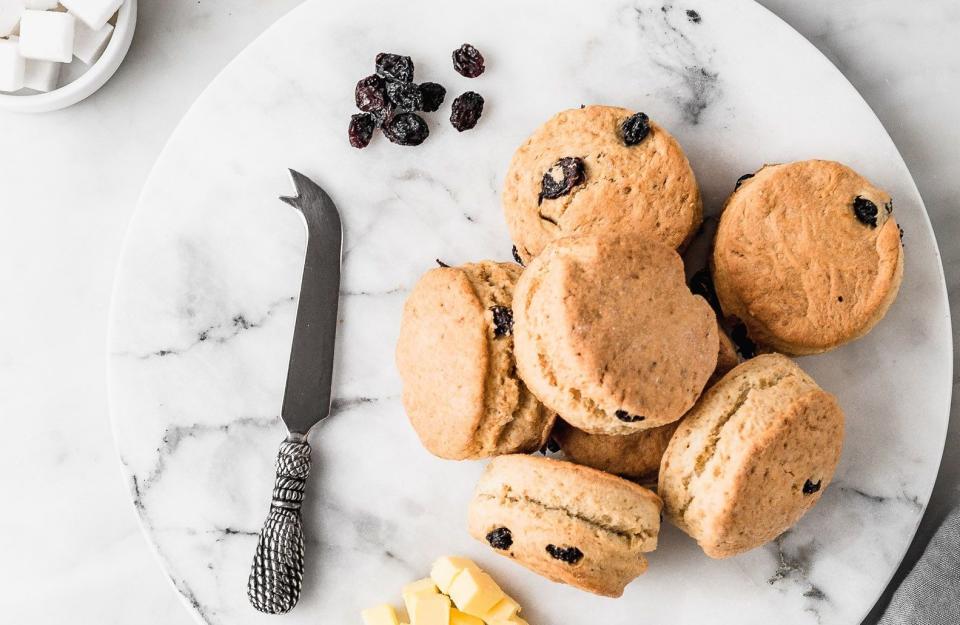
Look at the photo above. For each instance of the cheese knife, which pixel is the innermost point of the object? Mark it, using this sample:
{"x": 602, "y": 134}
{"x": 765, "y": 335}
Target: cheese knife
{"x": 276, "y": 576}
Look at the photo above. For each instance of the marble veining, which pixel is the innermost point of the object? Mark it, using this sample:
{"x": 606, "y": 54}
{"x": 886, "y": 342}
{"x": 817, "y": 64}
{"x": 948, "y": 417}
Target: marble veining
{"x": 206, "y": 296}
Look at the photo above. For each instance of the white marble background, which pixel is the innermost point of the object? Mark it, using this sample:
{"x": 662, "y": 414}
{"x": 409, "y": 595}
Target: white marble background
{"x": 72, "y": 550}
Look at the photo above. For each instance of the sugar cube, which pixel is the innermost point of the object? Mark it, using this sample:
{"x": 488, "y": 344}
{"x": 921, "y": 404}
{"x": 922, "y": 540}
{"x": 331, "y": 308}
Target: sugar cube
{"x": 93, "y": 13}
{"x": 47, "y": 36}
{"x": 41, "y": 75}
{"x": 88, "y": 43}
{"x": 10, "y": 11}
{"x": 12, "y": 65}
{"x": 40, "y": 5}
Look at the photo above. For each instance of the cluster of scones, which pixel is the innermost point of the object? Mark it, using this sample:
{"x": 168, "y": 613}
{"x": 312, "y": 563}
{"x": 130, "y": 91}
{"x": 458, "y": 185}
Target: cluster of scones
{"x": 593, "y": 340}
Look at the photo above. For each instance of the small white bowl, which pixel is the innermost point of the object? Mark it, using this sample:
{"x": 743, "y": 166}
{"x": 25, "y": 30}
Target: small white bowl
{"x": 91, "y": 80}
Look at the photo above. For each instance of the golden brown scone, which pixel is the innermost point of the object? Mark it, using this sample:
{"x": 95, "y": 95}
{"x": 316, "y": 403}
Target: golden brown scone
{"x": 647, "y": 187}
{"x": 808, "y": 256}
{"x": 571, "y": 524}
{"x": 752, "y": 457}
{"x": 608, "y": 335}
{"x": 635, "y": 456}
{"x": 455, "y": 357}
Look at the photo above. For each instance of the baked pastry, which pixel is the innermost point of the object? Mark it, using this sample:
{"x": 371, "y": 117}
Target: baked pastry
{"x": 608, "y": 335}
{"x": 754, "y": 454}
{"x": 635, "y": 456}
{"x": 600, "y": 169}
{"x": 807, "y": 256}
{"x": 571, "y": 524}
{"x": 455, "y": 357}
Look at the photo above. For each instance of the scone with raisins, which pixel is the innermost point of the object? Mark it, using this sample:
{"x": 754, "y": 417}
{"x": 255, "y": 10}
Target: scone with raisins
{"x": 569, "y": 523}
{"x": 752, "y": 457}
{"x": 455, "y": 357}
{"x": 807, "y": 256}
{"x": 609, "y": 336}
{"x": 600, "y": 169}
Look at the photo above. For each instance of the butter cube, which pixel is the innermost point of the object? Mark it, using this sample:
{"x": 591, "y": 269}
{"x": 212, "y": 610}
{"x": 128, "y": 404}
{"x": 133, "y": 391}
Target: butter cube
{"x": 429, "y": 609}
{"x": 502, "y": 611}
{"x": 516, "y": 620}
{"x": 446, "y": 568}
{"x": 420, "y": 588}
{"x": 46, "y": 36}
{"x": 12, "y": 66}
{"x": 474, "y": 592}
{"x": 93, "y": 13}
{"x": 380, "y": 615}
{"x": 462, "y": 618}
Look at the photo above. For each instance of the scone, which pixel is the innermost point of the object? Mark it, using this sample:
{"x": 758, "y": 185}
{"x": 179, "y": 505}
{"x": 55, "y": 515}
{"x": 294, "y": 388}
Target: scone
{"x": 571, "y": 524}
{"x": 755, "y": 453}
{"x": 600, "y": 169}
{"x": 807, "y": 256}
{"x": 608, "y": 335}
{"x": 455, "y": 357}
{"x": 634, "y": 456}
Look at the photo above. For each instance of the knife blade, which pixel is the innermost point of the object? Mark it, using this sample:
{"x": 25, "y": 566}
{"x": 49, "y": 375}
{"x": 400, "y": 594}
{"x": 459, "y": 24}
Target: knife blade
{"x": 276, "y": 576}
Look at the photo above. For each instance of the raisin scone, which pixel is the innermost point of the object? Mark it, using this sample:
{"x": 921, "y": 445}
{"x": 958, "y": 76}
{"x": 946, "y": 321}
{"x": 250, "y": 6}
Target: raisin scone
{"x": 600, "y": 169}
{"x": 752, "y": 457}
{"x": 634, "y": 456}
{"x": 455, "y": 357}
{"x": 807, "y": 256}
{"x": 608, "y": 335}
{"x": 571, "y": 524}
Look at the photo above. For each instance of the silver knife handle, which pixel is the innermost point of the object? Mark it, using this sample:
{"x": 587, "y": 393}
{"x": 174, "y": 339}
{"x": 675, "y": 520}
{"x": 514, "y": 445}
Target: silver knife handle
{"x": 277, "y": 572}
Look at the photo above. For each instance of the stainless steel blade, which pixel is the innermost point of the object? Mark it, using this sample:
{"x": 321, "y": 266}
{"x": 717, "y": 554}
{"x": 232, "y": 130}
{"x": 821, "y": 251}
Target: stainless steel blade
{"x": 306, "y": 398}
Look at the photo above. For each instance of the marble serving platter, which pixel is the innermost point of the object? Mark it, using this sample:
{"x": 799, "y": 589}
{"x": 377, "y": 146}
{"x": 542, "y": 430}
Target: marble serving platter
{"x": 205, "y": 298}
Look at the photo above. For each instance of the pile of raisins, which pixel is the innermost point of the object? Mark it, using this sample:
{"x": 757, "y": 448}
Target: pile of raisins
{"x": 389, "y": 99}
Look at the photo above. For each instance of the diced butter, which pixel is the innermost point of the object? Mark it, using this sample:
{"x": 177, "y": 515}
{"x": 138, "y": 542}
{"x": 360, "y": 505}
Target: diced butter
{"x": 515, "y": 620}
{"x": 419, "y": 588}
{"x": 380, "y": 615}
{"x": 446, "y": 568}
{"x": 502, "y": 611}
{"x": 474, "y": 592}
{"x": 426, "y": 609}
{"x": 462, "y": 618}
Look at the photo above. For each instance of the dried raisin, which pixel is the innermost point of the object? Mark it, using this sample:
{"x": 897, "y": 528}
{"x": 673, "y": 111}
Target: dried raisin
{"x": 468, "y": 61}
{"x": 570, "y": 555}
{"x": 562, "y": 177}
{"x": 866, "y": 211}
{"x": 406, "y": 129}
{"x": 500, "y": 538}
{"x": 502, "y": 321}
{"x": 810, "y": 487}
{"x": 466, "y": 111}
{"x": 626, "y": 417}
{"x": 741, "y": 179}
{"x": 404, "y": 96}
{"x": 361, "y": 129}
{"x": 371, "y": 94}
{"x": 395, "y": 67}
{"x": 432, "y": 96}
{"x": 635, "y": 128}
{"x": 516, "y": 255}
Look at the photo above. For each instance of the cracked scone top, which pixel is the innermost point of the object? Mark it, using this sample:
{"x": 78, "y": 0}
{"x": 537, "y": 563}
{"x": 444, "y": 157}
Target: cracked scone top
{"x": 647, "y": 187}
{"x": 752, "y": 457}
{"x": 455, "y": 357}
{"x": 569, "y": 523}
{"x": 608, "y": 335}
{"x": 807, "y": 255}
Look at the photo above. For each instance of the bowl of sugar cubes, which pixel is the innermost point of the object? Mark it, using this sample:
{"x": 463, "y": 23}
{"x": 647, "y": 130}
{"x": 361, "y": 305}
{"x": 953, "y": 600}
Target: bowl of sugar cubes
{"x": 54, "y": 53}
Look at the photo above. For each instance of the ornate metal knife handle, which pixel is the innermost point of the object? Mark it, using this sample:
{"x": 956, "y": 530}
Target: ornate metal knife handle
{"x": 277, "y": 572}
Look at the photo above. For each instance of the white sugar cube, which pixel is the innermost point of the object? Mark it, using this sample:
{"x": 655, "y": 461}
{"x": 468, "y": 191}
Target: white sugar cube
{"x": 41, "y": 75}
{"x": 47, "y": 36}
{"x": 88, "y": 43}
{"x": 93, "y": 13}
{"x": 40, "y": 5}
{"x": 12, "y": 65}
{"x": 10, "y": 11}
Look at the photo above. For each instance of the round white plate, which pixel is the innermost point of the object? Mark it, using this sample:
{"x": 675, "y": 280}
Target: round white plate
{"x": 205, "y": 299}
